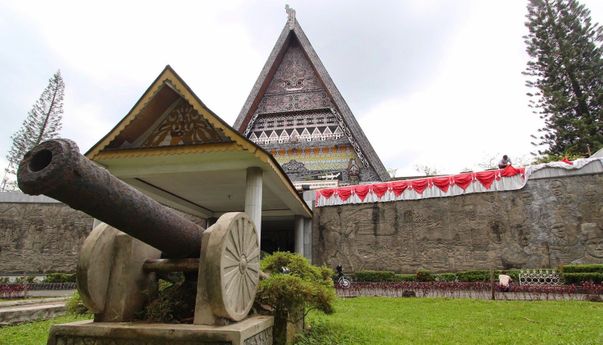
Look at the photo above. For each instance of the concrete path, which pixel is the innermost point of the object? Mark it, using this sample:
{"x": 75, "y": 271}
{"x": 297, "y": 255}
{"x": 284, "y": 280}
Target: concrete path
{"x": 12, "y": 312}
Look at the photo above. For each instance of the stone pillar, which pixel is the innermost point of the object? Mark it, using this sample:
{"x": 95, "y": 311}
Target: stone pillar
{"x": 253, "y": 198}
{"x": 299, "y": 235}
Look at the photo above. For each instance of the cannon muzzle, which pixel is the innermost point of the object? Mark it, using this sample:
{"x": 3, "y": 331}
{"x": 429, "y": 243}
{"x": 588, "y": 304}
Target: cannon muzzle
{"x": 56, "y": 168}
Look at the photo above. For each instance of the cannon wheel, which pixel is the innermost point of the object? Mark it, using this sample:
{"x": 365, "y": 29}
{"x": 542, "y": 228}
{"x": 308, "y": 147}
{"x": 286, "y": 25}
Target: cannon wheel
{"x": 233, "y": 266}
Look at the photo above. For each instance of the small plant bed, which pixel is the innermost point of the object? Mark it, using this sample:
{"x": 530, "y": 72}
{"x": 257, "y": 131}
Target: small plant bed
{"x": 425, "y": 321}
{"x": 33, "y": 333}
{"x": 482, "y": 290}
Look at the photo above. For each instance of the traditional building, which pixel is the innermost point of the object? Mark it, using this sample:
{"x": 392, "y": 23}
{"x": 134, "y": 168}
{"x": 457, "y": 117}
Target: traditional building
{"x": 173, "y": 148}
{"x": 296, "y": 113}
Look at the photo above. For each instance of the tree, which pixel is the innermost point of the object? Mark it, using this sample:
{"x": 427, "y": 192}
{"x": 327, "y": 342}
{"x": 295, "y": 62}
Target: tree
{"x": 426, "y": 170}
{"x": 566, "y": 72}
{"x": 43, "y": 122}
{"x": 293, "y": 288}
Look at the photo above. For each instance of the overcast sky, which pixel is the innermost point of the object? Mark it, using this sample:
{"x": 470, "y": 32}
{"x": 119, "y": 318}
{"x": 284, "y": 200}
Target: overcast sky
{"x": 435, "y": 83}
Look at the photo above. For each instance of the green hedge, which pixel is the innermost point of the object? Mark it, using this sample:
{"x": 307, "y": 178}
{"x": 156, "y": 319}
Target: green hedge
{"x": 405, "y": 277}
{"x": 579, "y": 278}
{"x": 582, "y": 268}
{"x": 446, "y": 277}
{"x": 60, "y": 278}
{"x": 424, "y": 275}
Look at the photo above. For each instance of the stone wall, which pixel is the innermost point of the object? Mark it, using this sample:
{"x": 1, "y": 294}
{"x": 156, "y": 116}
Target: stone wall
{"x": 551, "y": 221}
{"x": 40, "y": 237}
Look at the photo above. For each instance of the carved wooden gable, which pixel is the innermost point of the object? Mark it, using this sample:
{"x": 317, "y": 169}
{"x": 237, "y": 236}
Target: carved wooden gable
{"x": 295, "y": 112}
{"x": 162, "y": 118}
{"x": 298, "y": 122}
{"x": 183, "y": 125}
{"x": 295, "y": 86}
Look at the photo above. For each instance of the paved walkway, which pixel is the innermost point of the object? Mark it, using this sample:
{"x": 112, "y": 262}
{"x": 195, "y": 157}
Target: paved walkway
{"x": 18, "y": 311}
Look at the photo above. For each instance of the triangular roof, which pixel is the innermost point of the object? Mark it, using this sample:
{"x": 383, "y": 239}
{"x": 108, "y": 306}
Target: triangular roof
{"x": 158, "y": 100}
{"x": 199, "y": 169}
{"x": 293, "y": 30}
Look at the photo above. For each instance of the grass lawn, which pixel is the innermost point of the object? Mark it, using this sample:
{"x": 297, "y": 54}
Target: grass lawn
{"x": 399, "y": 321}
{"x": 35, "y": 333}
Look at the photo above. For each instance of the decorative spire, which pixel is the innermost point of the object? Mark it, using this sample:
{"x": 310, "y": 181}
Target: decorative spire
{"x": 291, "y": 16}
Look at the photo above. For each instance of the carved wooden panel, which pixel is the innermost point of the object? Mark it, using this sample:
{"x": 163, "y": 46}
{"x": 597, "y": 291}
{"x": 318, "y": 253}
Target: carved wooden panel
{"x": 183, "y": 125}
{"x": 297, "y": 111}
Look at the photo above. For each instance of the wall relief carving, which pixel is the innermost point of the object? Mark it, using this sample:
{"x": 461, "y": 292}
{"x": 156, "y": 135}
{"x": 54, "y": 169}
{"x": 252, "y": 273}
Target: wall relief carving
{"x": 529, "y": 228}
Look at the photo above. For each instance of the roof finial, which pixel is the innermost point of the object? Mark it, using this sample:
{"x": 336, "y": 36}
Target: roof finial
{"x": 291, "y": 16}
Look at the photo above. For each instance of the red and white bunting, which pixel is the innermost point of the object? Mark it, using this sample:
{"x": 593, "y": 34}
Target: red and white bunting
{"x": 507, "y": 179}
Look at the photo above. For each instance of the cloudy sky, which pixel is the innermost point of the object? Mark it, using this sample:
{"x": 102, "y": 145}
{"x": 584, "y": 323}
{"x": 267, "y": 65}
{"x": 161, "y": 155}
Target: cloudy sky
{"x": 432, "y": 83}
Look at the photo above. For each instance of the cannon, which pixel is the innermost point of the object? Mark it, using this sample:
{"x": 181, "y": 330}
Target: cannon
{"x": 140, "y": 237}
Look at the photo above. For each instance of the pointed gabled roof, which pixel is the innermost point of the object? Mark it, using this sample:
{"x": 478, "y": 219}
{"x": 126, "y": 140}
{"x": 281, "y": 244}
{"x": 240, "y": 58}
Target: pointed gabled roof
{"x": 291, "y": 31}
{"x": 174, "y": 148}
{"x": 167, "y": 95}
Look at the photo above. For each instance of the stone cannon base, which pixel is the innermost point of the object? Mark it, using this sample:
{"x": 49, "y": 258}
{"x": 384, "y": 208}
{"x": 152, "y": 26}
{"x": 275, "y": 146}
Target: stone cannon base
{"x": 255, "y": 330}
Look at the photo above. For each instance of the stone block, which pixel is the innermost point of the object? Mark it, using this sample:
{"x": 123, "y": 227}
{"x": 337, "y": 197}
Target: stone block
{"x": 111, "y": 265}
{"x": 255, "y": 330}
{"x": 129, "y": 286}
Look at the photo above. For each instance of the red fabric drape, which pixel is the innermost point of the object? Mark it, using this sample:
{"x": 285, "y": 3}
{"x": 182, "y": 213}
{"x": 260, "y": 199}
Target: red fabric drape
{"x": 379, "y": 189}
{"x": 486, "y": 178}
{"x": 344, "y": 193}
{"x": 361, "y": 191}
{"x": 419, "y": 185}
{"x": 399, "y": 187}
{"x": 326, "y": 193}
{"x": 463, "y": 180}
{"x": 510, "y": 171}
{"x": 442, "y": 182}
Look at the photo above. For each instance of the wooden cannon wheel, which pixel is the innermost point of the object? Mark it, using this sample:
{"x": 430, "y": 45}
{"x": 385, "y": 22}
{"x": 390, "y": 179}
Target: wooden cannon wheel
{"x": 232, "y": 260}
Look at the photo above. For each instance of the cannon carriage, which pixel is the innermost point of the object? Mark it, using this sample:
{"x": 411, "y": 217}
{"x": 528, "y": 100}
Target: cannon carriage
{"x": 139, "y": 237}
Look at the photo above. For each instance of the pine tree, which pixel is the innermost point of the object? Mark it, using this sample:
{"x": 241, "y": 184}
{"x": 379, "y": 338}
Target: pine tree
{"x": 566, "y": 72}
{"x": 43, "y": 122}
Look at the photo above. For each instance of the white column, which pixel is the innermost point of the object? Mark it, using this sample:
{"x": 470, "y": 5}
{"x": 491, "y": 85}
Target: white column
{"x": 299, "y": 235}
{"x": 308, "y": 239}
{"x": 253, "y": 198}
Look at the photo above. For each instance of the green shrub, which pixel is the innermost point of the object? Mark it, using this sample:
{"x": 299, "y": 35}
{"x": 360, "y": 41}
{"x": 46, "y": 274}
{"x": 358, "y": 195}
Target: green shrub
{"x": 25, "y": 280}
{"x": 60, "y": 278}
{"x": 405, "y": 277}
{"x": 474, "y": 276}
{"x": 304, "y": 287}
{"x": 174, "y": 302}
{"x": 375, "y": 276}
{"x": 75, "y": 306}
{"x": 446, "y": 277}
{"x": 514, "y": 274}
{"x": 582, "y": 268}
{"x": 424, "y": 276}
{"x": 579, "y": 278}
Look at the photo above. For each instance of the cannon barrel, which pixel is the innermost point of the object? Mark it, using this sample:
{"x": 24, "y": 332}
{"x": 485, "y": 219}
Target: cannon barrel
{"x": 56, "y": 168}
